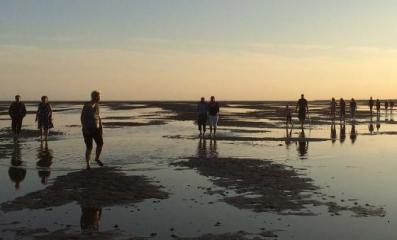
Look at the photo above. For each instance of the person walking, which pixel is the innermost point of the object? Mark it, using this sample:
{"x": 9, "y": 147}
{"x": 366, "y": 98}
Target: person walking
{"x": 202, "y": 109}
{"x": 44, "y": 118}
{"x": 17, "y": 112}
{"x": 302, "y": 108}
{"x": 353, "y": 109}
{"x": 92, "y": 128}
{"x": 213, "y": 115}
{"x": 378, "y": 107}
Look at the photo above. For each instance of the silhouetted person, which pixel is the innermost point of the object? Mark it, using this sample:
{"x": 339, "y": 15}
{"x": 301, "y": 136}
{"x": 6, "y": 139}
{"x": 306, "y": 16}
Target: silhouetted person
{"x": 303, "y": 144}
{"x": 342, "y": 132}
{"x": 44, "y": 118}
{"x": 90, "y": 219}
{"x": 342, "y": 109}
{"x": 44, "y": 157}
{"x": 353, "y": 133}
{"x": 17, "y": 112}
{"x": 391, "y": 105}
{"x": 288, "y": 116}
{"x": 353, "y": 109}
{"x": 17, "y": 171}
{"x": 333, "y": 109}
{"x": 333, "y": 132}
{"x": 371, "y": 126}
{"x": 92, "y": 128}
{"x": 371, "y": 105}
{"x": 202, "y": 109}
{"x": 386, "y": 106}
{"x": 213, "y": 115}
{"x": 377, "y": 106}
{"x": 302, "y": 108}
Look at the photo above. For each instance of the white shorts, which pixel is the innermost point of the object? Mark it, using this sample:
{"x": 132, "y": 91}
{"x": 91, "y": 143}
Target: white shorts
{"x": 213, "y": 120}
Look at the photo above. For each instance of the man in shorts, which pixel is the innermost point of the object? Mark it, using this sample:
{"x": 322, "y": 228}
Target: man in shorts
{"x": 92, "y": 128}
{"x": 213, "y": 115}
{"x": 202, "y": 109}
{"x": 302, "y": 108}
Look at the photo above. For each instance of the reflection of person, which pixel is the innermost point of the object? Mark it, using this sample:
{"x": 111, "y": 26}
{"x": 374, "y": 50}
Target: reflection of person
{"x": 90, "y": 219}
{"x": 92, "y": 128}
{"x": 202, "y": 109}
{"x": 16, "y": 172}
{"x": 288, "y": 116}
{"x": 371, "y": 126}
{"x": 44, "y": 117}
{"x": 333, "y": 132}
{"x": 202, "y": 149}
{"x": 213, "y": 115}
{"x": 342, "y": 132}
{"x": 353, "y": 133}
{"x": 288, "y": 136}
{"x": 302, "y": 108}
{"x": 303, "y": 144}
{"x": 377, "y": 123}
{"x": 17, "y": 112}
{"x": 213, "y": 149}
{"x": 44, "y": 156}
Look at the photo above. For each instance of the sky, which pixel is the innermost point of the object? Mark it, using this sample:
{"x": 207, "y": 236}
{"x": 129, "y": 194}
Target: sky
{"x": 182, "y": 50}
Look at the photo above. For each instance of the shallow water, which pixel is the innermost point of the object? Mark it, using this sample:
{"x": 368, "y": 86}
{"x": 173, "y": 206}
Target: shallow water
{"x": 362, "y": 169}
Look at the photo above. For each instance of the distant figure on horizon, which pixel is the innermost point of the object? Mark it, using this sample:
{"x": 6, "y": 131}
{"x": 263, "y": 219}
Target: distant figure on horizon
{"x": 386, "y": 105}
{"x": 288, "y": 116}
{"x": 333, "y": 109}
{"x": 202, "y": 109}
{"x": 391, "y": 104}
{"x": 342, "y": 109}
{"x": 353, "y": 109}
{"x": 371, "y": 105}
{"x": 302, "y": 108}
{"x": 44, "y": 118}
{"x": 213, "y": 115}
{"x": 377, "y": 106}
{"x": 17, "y": 112}
{"x": 92, "y": 128}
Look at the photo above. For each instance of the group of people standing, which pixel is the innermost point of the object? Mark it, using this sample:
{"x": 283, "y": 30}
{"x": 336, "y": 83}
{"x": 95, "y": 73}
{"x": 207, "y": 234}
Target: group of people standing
{"x": 17, "y": 112}
{"x": 389, "y": 106}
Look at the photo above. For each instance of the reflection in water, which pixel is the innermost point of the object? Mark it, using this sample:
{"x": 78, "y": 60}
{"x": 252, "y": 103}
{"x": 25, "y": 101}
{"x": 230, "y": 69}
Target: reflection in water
{"x": 353, "y": 133}
{"x": 16, "y": 172}
{"x": 371, "y": 125}
{"x": 333, "y": 132}
{"x": 303, "y": 145}
{"x": 90, "y": 218}
{"x": 377, "y": 123}
{"x": 44, "y": 157}
{"x": 342, "y": 132}
{"x": 288, "y": 136}
{"x": 202, "y": 151}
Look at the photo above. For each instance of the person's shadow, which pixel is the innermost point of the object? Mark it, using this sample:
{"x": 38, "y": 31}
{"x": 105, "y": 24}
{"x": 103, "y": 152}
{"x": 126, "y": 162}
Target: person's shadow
{"x": 44, "y": 157}
{"x": 17, "y": 172}
{"x": 303, "y": 145}
{"x": 288, "y": 133}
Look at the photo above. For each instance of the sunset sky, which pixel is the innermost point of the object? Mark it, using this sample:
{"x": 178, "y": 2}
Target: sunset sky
{"x": 182, "y": 50}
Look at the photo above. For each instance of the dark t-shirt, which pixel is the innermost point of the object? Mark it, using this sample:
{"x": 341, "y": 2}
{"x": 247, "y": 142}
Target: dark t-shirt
{"x": 90, "y": 118}
{"x": 17, "y": 110}
{"x": 213, "y": 108}
{"x": 302, "y": 105}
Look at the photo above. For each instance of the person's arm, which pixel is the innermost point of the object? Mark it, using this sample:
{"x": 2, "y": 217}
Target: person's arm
{"x": 23, "y": 110}
{"x": 83, "y": 116}
{"x": 37, "y": 114}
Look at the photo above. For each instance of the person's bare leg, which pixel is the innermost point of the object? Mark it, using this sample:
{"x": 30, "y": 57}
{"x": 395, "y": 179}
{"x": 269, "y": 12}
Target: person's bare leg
{"x": 98, "y": 154}
{"x": 210, "y": 130}
{"x": 88, "y": 157}
{"x": 214, "y": 130}
{"x": 45, "y": 135}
